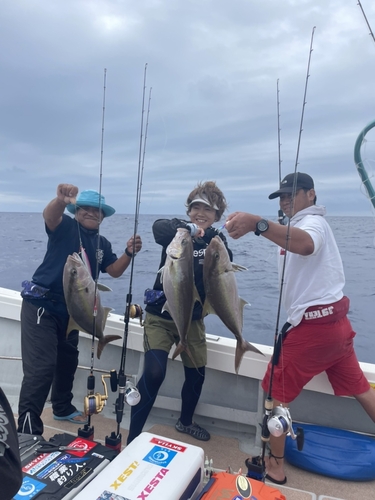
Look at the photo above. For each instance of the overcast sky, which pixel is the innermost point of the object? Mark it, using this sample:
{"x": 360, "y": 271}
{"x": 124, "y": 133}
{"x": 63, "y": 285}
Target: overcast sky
{"x": 213, "y": 66}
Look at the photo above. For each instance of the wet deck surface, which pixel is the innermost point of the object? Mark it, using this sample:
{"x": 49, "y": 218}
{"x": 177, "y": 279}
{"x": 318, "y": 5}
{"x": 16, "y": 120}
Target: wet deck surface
{"x": 225, "y": 452}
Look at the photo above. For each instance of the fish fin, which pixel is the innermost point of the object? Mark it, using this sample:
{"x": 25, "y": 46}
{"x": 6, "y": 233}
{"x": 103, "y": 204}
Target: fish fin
{"x": 252, "y": 348}
{"x": 207, "y": 309}
{"x": 166, "y": 308}
{"x": 196, "y": 296}
{"x": 242, "y": 347}
{"x": 243, "y": 303}
{"x": 238, "y": 267}
{"x": 181, "y": 348}
{"x": 104, "y": 288}
{"x": 161, "y": 271}
{"x": 72, "y": 325}
{"x": 107, "y": 310}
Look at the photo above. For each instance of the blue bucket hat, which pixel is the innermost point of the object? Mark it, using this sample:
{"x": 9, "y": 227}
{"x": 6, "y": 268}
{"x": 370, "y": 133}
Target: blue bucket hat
{"x": 91, "y": 198}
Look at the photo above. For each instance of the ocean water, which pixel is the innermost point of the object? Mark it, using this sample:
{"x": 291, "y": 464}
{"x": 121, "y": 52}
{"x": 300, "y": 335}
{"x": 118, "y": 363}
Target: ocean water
{"x": 23, "y": 244}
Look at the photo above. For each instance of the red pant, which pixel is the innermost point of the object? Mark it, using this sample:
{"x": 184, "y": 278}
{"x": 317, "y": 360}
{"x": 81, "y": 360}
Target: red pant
{"x": 323, "y": 341}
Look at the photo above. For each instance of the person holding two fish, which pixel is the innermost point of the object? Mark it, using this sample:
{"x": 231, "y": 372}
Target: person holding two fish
{"x": 205, "y": 206}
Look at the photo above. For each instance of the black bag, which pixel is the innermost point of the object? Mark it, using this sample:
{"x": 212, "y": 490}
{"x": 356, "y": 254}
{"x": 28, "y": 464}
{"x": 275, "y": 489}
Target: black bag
{"x": 10, "y": 463}
{"x": 32, "y": 291}
{"x": 59, "y": 468}
{"x": 153, "y": 297}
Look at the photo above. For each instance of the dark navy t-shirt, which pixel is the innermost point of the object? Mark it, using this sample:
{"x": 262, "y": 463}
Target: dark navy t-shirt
{"x": 64, "y": 241}
{"x": 164, "y": 231}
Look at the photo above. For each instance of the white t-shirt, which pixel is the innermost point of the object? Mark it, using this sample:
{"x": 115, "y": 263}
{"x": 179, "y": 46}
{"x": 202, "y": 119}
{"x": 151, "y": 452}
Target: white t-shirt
{"x": 315, "y": 279}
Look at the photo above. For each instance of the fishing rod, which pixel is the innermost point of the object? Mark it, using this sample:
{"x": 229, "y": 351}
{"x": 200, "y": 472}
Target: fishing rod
{"x": 280, "y": 213}
{"x": 359, "y": 163}
{"x": 95, "y": 402}
{"x": 277, "y": 420}
{"x": 126, "y": 389}
{"x": 368, "y": 24}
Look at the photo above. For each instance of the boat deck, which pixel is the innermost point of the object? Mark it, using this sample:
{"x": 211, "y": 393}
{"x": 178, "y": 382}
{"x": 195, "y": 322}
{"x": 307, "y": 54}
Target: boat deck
{"x": 226, "y": 452}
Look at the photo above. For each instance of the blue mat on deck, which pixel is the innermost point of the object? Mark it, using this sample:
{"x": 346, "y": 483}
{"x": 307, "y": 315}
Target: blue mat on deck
{"x": 333, "y": 452}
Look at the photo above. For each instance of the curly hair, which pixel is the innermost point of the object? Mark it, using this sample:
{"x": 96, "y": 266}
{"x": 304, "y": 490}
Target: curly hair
{"x": 209, "y": 191}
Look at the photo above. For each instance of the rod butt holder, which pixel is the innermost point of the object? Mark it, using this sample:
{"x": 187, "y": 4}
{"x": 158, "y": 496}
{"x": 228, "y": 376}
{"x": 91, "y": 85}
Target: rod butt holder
{"x": 87, "y": 432}
{"x": 254, "y": 468}
{"x": 113, "y": 441}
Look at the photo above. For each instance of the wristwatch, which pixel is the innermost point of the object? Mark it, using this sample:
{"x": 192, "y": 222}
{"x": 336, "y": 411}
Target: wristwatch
{"x": 261, "y": 227}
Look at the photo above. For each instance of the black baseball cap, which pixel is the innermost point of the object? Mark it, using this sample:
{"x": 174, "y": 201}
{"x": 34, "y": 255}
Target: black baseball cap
{"x": 304, "y": 181}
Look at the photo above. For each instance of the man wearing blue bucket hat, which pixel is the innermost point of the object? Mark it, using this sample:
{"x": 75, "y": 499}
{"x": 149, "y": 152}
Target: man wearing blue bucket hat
{"x": 49, "y": 356}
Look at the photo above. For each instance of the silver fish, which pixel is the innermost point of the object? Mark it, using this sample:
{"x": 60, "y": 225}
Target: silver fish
{"x": 79, "y": 292}
{"x": 222, "y": 296}
{"x": 178, "y": 285}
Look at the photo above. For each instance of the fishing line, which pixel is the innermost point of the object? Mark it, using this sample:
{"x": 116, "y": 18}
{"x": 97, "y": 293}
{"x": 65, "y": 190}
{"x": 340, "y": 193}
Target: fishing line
{"x": 126, "y": 390}
{"x": 280, "y": 414}
{"x": 294, "y": 189}
{"x": 94, "y": 403}
{"x": 142, "y": 151}
{"x": 280, "y": 213}
{"x": 368, "y": 24}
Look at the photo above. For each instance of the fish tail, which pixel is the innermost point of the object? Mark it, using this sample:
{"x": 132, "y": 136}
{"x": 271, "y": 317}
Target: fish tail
{"x": 181, "y": 348}
{"x": 242, "y": 347}
{"x": 103, "y": 341}
{"x": 240, "y": 351}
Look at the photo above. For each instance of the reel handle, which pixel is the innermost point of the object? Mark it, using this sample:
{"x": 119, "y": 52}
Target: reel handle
{"x": 113, "y": 380}
{"x": 300, "y": 438}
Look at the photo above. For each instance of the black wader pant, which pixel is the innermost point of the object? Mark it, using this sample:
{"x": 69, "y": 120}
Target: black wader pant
{"x": 48, "y": 357}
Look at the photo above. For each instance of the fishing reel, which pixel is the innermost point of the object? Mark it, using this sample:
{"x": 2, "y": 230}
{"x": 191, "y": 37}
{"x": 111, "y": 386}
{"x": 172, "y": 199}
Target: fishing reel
{"x": 136, "y": 311}
{"x": 280, "y": 422}
{"x": 94, "y": 403}
{"x": 131, "y": 394}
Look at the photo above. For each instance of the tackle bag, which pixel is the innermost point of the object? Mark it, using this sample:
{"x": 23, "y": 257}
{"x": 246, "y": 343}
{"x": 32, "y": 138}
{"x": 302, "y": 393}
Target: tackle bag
{"x": 10, "y": 463}
{"x": 59, "y": 468}
{"x": 238, "y": 487}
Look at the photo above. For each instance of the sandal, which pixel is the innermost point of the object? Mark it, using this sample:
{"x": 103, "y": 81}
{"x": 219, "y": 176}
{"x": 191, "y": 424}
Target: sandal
{"x": 71, "y": 418}
{"x": 193, "y": 430}
{"x": 270, "y": 478}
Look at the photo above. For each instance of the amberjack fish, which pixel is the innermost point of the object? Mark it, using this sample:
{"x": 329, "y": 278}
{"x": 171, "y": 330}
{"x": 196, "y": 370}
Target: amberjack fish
{"x": 222, "y": 296}
{"x": 177, "y": 276}
{"x": 79, "y": 292}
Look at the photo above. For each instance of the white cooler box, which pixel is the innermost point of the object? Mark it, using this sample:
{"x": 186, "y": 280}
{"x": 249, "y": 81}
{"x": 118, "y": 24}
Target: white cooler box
{"x": 151, "y": 467}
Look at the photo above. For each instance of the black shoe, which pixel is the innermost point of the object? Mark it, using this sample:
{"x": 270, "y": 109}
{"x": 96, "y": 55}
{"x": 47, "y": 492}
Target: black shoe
{"x": 193, "y": 430}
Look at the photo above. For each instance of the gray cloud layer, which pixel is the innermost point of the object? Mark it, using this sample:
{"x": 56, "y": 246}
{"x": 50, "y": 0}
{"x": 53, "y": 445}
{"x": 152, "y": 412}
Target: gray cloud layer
{"x": 213, "y": 67}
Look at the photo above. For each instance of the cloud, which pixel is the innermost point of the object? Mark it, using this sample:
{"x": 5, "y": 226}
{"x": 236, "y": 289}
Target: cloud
{"x": 213, "y": 68}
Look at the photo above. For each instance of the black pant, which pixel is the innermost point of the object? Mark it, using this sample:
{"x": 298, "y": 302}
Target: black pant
{"x": 48, "y": 357}
{"x": 154, "y": 371}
